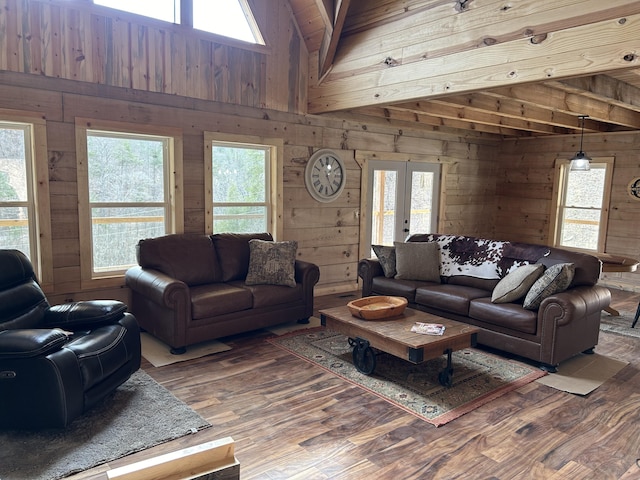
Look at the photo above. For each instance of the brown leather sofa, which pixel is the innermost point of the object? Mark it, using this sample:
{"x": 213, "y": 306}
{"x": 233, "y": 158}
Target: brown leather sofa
{"x": 189, "y": 288}
{"x": 564, "y": 324}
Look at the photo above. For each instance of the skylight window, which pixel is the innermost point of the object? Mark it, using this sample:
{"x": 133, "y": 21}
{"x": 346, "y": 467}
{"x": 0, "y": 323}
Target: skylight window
{"x": 230, "y": 18}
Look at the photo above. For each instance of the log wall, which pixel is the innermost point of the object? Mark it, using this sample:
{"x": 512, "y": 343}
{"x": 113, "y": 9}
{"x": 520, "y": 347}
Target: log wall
{"x": 53, "y": 62}
{"x": 525, "y": 190}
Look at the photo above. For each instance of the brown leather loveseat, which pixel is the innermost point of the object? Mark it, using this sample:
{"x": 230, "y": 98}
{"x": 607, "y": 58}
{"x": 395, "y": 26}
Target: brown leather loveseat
{"x": 467, "y": 271}
{"x": 189, "y": 288}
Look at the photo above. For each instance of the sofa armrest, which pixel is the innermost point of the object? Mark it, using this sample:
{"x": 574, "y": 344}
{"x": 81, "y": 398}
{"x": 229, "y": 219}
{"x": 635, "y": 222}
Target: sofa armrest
{"x": 306, "y": 273}
{"x": 368, "y": 268}
{"x": 158, "y": 287}
{"x": 86, "y": 314}
{"x": 31, "y": 342}
{"x": 574, "y": 303}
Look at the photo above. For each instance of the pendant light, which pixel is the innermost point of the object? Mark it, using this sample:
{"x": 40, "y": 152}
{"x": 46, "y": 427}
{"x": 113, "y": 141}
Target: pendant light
{"x": 581, "y": 162}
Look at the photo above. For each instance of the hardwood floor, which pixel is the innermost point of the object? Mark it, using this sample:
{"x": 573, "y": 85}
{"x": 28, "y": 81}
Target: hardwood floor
{"x": 292, "y": 420}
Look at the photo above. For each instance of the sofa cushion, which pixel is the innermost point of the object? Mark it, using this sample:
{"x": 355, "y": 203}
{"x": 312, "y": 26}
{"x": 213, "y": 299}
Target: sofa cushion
{"x": 449, "y": 298}
{"x": 218, "y": 299}
{"x": 556, "y": 278}
{"x": 482, "y": 283}
{"x": 387, "y": 258}
{"x": 232, "y": 250}
{"x": 268, "y": 295}
{"x": 272, "y": 263}
{"x": 507, "y": 315}
{"x": 417, "y": 261}
{"x": 398, "y": 288}
{"x": 516, "y": 284}
{"x": 190, "y": 258}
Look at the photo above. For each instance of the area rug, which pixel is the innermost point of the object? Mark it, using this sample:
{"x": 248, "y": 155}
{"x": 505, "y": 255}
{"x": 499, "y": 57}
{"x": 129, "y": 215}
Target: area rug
{"x": 158, "y": 354}
{"x": 582, "y": 374}
{"x": 138, "y": 415}
{"x": 478, "y": 377}
{"x": 620, "y": 324}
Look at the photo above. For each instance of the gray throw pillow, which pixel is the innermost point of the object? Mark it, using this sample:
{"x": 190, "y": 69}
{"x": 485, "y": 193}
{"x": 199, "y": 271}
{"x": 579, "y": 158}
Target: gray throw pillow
{"x": 387, "y": 258}
{"x": 272, "y": 263}
{"x": 556, "y": 278}
{"x": 418, "y": 261}
{"x": 517, "y": 283}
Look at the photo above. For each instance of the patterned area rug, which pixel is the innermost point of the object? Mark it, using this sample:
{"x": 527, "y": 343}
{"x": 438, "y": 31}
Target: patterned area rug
{"x": 620, "y": 324}
{"x": 478, "y": 377}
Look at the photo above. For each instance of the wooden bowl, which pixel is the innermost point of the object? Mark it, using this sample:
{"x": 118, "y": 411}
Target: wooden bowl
{"x": 378, "y": 307}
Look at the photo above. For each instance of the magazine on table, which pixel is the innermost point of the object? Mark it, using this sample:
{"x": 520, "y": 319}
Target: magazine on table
{"x": 428, "y": 328}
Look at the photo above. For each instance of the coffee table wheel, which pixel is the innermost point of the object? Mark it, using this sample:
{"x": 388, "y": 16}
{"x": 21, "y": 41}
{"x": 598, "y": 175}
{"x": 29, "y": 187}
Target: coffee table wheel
{"x": 445, "y": 377}
{"x": 364, "y": 357}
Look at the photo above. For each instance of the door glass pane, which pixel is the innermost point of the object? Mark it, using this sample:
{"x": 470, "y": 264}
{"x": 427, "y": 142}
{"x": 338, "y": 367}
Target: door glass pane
{"x": 383, "y": 209}
{"x": 421, "y": 202}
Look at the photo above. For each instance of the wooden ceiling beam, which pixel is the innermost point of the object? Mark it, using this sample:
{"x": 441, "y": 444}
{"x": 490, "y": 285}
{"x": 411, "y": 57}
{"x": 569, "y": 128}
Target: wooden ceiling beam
{"x": 330, "y": 42}
{"x": 514, "y": 108}
{"x": 589, "y": 48}
{"x": 604, "y": 88}
{"x": 570, "y": 103}
{"x": 421, "y": 118}
{"x": 455, "y": 112}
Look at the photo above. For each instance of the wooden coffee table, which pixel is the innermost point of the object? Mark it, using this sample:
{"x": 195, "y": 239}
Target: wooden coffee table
{"x": 394, "y": 336}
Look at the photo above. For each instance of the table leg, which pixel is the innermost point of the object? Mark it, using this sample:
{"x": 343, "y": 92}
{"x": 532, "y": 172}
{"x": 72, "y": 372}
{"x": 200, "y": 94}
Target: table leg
{"x": 446, "y": 375}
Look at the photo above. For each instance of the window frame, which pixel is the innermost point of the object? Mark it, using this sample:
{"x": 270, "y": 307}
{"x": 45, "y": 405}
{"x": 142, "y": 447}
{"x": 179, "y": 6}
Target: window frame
{"x": 90, "y": 278}
{"x": 562, "y": 167}
{"x": 38, "y": 199}
{"x": 274, "y": 178}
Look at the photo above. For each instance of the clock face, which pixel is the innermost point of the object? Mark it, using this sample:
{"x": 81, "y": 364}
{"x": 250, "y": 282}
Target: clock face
{"x": 325, "y": 175}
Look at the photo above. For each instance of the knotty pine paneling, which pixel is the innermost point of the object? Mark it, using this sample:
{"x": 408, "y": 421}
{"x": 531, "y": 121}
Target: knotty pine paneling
{"x": 524, "y": 192}
{"x": 327, "y": 234}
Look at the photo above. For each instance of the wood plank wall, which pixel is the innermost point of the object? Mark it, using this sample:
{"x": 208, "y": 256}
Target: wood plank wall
{"x": 60, "y": 87}
{"x": 524, "y": 192}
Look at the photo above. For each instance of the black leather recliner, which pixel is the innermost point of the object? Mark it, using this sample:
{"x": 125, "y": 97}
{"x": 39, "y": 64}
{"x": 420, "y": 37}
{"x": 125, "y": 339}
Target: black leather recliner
{"x": 56, "y": 362}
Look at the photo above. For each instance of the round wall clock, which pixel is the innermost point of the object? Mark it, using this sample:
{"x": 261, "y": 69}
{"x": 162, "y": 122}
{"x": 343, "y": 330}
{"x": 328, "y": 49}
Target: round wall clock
{"x": 325, "y": 175}
{"x": 634, "y": 188}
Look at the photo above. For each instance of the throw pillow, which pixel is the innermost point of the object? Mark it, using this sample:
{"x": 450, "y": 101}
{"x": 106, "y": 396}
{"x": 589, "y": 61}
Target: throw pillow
{"x": 556, "y": 278}
{"x": 387, "y": 258}
{"x": 272, "y": 263}
{"x": 516, "y": 284}
{"x": 418, "y": 261}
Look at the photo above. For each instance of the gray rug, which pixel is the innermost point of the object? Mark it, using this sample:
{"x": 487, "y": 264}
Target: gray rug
{"x": 620, "y": 324}
{"x": 140, "y": 414}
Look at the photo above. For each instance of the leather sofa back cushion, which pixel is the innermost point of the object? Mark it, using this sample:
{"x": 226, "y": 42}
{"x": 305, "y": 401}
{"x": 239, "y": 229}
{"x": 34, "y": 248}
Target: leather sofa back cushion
{"x": 587, "y": 267}
{"x": 187, "y": 257}
{"x": 233, "y": 253}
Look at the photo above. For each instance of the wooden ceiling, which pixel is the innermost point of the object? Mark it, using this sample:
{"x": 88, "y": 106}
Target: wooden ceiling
{"x": 513, "y": 68}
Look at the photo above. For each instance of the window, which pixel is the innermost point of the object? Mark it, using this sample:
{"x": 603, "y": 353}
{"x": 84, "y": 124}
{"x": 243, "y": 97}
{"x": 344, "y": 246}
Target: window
{"x": 241, "y": 183}
{"x": 25, "y": 223}
{"x": 126, "y": 187}
{"x": 582, "y": 206}
{"x": 230, "y": 18}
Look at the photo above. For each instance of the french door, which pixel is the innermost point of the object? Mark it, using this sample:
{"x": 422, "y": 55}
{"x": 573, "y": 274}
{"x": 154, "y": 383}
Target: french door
{"x": 402, "y": 200}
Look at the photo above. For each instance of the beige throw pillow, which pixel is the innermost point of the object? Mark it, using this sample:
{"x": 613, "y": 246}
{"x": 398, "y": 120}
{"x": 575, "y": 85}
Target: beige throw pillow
{"x": 418, "y": 261}
{"x": 517, "y": 283}
{"x": 272, "y": 263}
{"x": 556, "y": 278}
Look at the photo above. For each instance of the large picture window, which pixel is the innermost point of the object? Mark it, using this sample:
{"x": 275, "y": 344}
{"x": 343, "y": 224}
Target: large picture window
{"x": 128, "y": 178}
{"x": 24, "y": 193}
{"x": 582, "y": 206}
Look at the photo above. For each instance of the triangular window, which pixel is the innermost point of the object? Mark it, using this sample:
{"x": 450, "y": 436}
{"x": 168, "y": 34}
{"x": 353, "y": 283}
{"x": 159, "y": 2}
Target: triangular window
{"x": 230, "y": 18}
